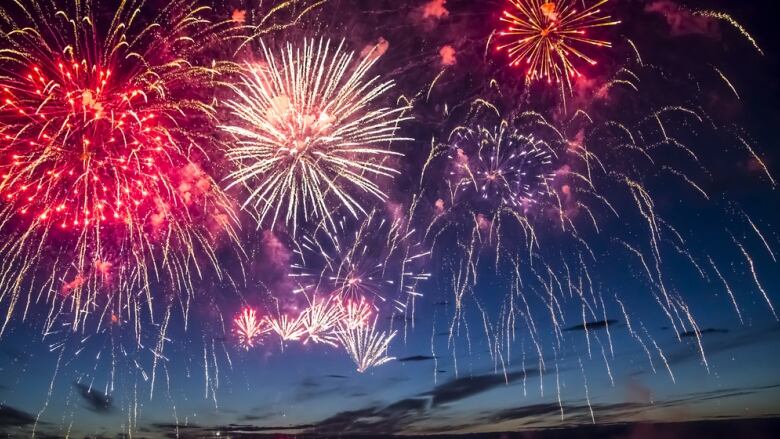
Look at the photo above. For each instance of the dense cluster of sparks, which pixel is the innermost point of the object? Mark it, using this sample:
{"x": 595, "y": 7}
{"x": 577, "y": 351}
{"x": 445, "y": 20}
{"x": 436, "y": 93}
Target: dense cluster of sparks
{"x": 546, "y": 37}
{"x": 99, "y": 168}
{"x": 504, "y": 166}
{"x": 310, "y": 133}
{"x": 330, "y": 320}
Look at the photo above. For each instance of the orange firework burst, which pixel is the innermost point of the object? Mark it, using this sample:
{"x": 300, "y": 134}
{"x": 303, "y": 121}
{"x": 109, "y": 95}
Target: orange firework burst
{"x": 546, "y": 36}
{"x": 101, "y": 182}
{"x": 249, "y": 328}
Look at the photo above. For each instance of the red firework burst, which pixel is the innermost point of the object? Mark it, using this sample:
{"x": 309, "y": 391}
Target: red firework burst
{"x": 82, "y": 147}
{"x": 100, "y": 140}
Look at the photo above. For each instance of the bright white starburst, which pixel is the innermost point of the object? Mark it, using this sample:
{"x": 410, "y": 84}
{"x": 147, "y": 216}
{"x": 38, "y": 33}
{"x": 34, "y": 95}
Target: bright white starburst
{"x": 365, "y": 345}
{"x": 310, "y": 133}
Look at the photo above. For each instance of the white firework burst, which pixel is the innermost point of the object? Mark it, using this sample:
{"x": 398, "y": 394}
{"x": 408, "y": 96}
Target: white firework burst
{"x": 310, "y": 135}
{"x": 365, "y": 345}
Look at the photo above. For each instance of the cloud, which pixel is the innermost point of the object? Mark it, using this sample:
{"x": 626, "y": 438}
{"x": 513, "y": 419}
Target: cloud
{"x": 195, "y": 431}
{"x": 420, "y": 414}
{"x": 703, "y": 331}
{"x": 407, "y": 404}
{"x": 390, "y": 419}
{"x": 716, "y": 345}
{"x": 11, "y": 417}
{"x": 375, "y": 49}
{"x": 416, "y": 358}
{"x": 96, "y": 401}
{"x": 598, "y": 324}
{"x": 344, "y": 421}
{"x": 435, "y": 9}
{"x": 447, "y": 54}
{"x": 464, "y": 387}
{"x": 523, "y": 412}
{"x": 682, "y": 21}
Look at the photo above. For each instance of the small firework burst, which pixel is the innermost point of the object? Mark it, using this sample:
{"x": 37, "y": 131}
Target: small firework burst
{"x": 288, "y": 327}
{"x": 365, "y": 345}
{"x": 545, "y": 37}
{"x": 356, "y": 313}
{"x": 249, "y": 328}
{"x": 503, "y": 166}
{"x": 320, "y": 318}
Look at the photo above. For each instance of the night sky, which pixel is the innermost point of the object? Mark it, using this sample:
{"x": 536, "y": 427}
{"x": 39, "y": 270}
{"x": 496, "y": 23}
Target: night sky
{"x": 463, "y": 369}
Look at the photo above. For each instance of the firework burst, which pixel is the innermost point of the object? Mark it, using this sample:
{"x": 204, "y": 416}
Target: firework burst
{"x": 101, "y": 183}
{"x": 310, "y": 134}
{"x": 365, "y": 345}
{"x": 547, "y": 36}
{"x": 288, "y": 327}
{"x": 503, "y": 166}
{"x": 355, "y": 313}
{"x": 249, "y": 328}
{"x": 320, "y": 318}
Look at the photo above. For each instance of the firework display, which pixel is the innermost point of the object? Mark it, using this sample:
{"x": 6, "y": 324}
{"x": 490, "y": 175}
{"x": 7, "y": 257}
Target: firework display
{"x": 103, "y": 186}
{"x": 249, "y": 328}
{"x": 216, "y": 192}
{"x": 311, "y": 132}
{"x": 505, "y": 168}
{"x": 330, "y": 320}
{"x": 547, "y": 38}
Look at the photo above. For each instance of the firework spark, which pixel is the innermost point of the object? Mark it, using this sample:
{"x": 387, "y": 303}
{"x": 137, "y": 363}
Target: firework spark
{"x": 320, "y": 318}
{"x": 101, "y": 184}
{"x": 365, "y": 345}
{"x": 326, "y": 320}
{"x": 356, "y": 313}
{"x": 310, "y": 134}
{"x": 378, "y": 258}
{"x": 287, "y": 327}
{"x": 547, "y": 36}
{"x": 502, "y": 165}
{"x": 249, "y": 328}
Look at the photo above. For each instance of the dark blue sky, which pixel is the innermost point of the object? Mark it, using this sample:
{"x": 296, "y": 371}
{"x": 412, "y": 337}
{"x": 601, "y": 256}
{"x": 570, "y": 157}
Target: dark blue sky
{"x": 99, "y": 384}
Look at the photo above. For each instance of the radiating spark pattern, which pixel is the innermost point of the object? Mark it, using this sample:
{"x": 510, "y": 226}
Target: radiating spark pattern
{"x": 365, "y": 345}
{"x": 249, "y": 328}
{"x": 533, "y": 226}
{"x": 355, "y": 313}
{"x": 546, "y": 38}
{"x": 350, "y": 325}
{"x": 102, "y": 184}
{"x": 320, "y": 318}
{"x": 503, "y": 166}
{"x": 311, "y": 133}
{"x": 288, "y": 327}
{"x": 553, "y": 231}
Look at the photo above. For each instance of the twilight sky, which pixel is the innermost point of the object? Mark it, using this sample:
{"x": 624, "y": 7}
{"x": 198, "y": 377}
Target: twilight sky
{"x": 459, "y": 370}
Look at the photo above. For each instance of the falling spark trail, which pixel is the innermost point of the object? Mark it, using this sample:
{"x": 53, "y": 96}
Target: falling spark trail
{"x": 760, "y": 287}
{"x": 730, "y": 20}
